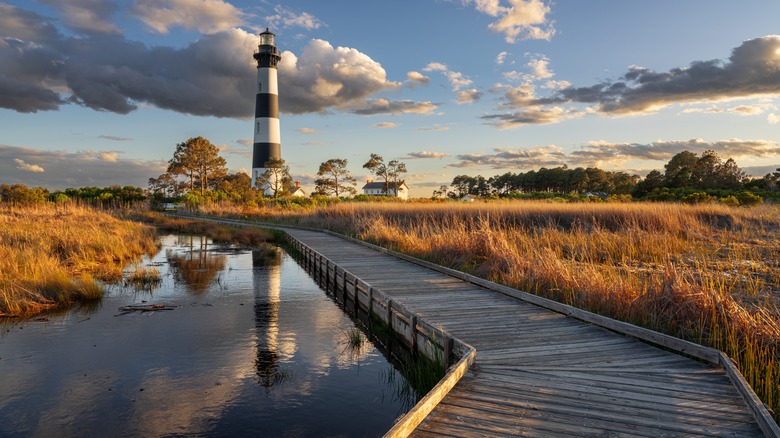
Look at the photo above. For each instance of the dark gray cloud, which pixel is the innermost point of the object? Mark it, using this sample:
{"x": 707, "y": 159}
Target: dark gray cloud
{"x": 114, "y": 138}
{"x": 753, "y": 69}
{"x": 615, "y": 153}
{"x": 605, "y": 154}
{"x": 60, "y": 169}
{"x": 89, "y": 16}
{"x": 514, "y": 158}
{"x": 41, "y": 69}
{"x": 761, "y": 170}
{"x": 530, "y": 116}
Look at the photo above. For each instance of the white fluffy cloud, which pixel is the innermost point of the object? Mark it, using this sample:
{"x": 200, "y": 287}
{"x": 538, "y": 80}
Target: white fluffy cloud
{"x": 425, "y": 155}
{"x": 458, "y": 82}
{"x": 523, "y": 19}
{"x": 285, "y": 18}
{"x": 26, "y": 167}
{"x": 417, "y": 78}
{"x": 207, "y": 16}
{"x": 325, "y": 76}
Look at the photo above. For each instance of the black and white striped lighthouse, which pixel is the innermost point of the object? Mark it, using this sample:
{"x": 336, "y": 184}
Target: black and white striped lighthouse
{"x": 267, "y": 140}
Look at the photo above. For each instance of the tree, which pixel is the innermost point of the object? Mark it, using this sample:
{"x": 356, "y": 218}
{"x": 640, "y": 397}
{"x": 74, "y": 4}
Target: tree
{"x": 198, "y": 159}
{"x": 441, "y": 192}
{"x": 334, "y": 178}
{"x": 237, "y": 186}
{"x": 680, "y": 169}
{"x": 276, "y": 180}
{"x": 164, "y": 185}
{"x": 461, "y": 185}
{"x": 389, "y": 173}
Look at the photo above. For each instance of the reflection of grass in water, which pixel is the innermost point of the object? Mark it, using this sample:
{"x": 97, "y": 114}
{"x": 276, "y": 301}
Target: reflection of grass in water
{"x": 420, "y": 375}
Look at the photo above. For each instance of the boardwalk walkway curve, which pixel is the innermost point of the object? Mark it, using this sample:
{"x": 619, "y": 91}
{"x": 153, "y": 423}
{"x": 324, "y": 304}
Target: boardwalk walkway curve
{"x": 542, "y": 368}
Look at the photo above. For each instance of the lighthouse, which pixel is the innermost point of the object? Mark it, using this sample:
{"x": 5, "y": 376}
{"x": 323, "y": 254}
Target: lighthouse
{"x": 267, "y": 138}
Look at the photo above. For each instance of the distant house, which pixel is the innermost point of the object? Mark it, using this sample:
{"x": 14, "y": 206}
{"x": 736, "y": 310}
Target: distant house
{"x": 602, "y": 195}
{"x": 296, "y": 190}
{"x": 399, "y": 189}
{"x": 468, "y": 198}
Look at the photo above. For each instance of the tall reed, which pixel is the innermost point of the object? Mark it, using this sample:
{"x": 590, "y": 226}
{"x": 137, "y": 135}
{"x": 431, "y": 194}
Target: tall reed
{"x": 709, "y": 274}
{"x": 51, "y": 256}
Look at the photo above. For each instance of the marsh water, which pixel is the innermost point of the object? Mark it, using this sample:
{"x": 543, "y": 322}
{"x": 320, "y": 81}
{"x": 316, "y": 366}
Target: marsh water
{"x": 251, "y": 347}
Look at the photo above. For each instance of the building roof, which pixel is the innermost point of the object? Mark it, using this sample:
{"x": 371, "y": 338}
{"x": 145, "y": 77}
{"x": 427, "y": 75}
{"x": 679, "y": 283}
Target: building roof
{"x": 380, "y": 185}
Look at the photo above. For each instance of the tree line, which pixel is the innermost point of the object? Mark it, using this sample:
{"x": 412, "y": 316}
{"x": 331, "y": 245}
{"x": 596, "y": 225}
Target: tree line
{"x": 685, "y": 173}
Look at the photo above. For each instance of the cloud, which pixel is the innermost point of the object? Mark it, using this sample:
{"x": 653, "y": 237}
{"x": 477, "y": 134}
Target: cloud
{"x": 386, "y": 125}
{"x": 90, "y": 16}
{"x": 207, "y": 16}
{"x": 752, "y": 70}
{"x": 384, "y": 106}
{"x": 773, "y": 118}
{"x": 457, "y": 81}
{"x": 21, "y": 165}
{"x": 114, "y": 138}
{"x": 73, "y": 169}
{"x": 531, "y": 116}
{"x": 598, "y": 152}
{"x": 285, "y": 18}
{"x": 540, "y": 67}
{"x": 425, "y": 155}
{"x": 761, "y": 170}
{"x": 41, "y": 69}
{"x": 524, "y": 19}
{"x": 514, "y": 158}
{"x": 308, "y": 131}
{"x": 435, "y": 127}
{"x": 324, "y": 77}
{"x": 501, "y": 57}
{"x": 416, "y": 78}
{"x": 246, "y": 142}
{"x": 742, "y": 110}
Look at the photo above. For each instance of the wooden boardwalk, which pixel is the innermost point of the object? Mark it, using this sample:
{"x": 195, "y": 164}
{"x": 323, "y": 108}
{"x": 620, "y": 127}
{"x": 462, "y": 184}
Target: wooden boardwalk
{"x": 542, "y": 373}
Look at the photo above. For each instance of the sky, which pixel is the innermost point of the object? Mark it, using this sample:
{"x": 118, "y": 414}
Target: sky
{"x": 99, "y": 92}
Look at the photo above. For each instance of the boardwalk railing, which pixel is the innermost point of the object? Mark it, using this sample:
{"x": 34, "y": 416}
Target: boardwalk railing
{"x": 432, "y": 341}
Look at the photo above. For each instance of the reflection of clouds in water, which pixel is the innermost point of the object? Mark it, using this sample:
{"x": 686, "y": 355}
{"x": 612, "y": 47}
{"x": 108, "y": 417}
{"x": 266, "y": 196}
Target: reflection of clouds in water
{"x": 189, "y": 404}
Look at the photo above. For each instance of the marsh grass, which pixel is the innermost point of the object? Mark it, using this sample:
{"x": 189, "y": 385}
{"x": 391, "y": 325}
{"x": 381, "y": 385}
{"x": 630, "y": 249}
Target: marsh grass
{"x": 52, "y": 256}
{"x": 143, "y": 277}
{"x": 708, "y": 273}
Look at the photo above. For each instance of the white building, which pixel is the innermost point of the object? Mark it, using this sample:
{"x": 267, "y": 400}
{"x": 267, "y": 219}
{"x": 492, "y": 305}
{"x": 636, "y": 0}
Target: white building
{"x": 399, "y": 189}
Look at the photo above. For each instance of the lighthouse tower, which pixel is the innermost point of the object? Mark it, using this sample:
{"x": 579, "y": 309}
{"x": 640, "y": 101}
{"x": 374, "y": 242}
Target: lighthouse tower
{"x": 267, "y": 140}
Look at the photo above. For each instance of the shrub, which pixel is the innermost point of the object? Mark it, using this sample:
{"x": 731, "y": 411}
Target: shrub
{"x": 698, "y": 198}
{"x": 748, "y": 199}
{"x": 731, "y": 201}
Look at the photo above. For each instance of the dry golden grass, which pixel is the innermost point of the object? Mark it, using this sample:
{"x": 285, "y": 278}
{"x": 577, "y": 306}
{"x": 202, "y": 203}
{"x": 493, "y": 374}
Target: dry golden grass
{"x": 709, "y": 274}
{"x": 51, "y": 255}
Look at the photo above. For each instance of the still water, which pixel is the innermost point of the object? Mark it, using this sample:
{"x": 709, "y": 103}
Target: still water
{"x": 252, "y": 347}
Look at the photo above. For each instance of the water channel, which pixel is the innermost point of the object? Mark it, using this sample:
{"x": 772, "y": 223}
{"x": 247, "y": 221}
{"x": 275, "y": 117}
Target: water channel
{"x": 252, "y": 347}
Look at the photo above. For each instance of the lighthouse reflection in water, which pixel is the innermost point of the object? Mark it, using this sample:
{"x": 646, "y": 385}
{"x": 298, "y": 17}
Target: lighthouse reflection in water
{"x": 253, "y": 347}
